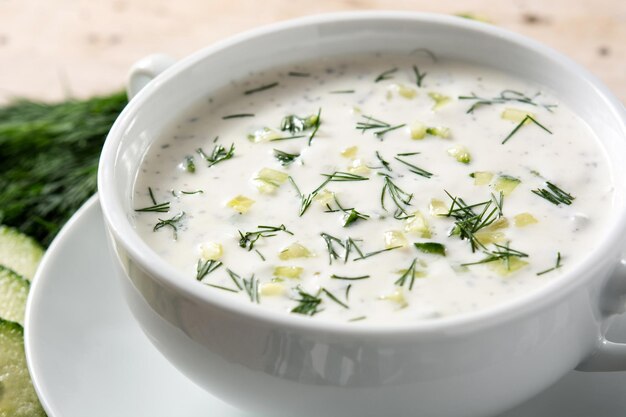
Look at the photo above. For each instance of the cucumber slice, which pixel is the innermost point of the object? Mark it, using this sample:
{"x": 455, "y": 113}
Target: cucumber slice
{"x": 19, "y": 252}
{"x": 17, "y": 395}
{"x": 13, "y": 293}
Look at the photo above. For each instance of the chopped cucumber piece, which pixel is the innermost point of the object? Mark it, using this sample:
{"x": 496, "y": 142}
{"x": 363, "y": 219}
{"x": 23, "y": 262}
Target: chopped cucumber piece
{"x": 350, "y": 152}
{"x": 394, "y": 238}
{"x": 460, "y": 153}
{"x": 264, "y": 135}
{"x": 492, "y": 233}
{"x": 19, "y": 252}
{"x": 504, "y": 268}
{"x": 439, "y": 131}
{"x": 17, "y": 396}
{"x": 524, "y": 219}
{"x": 397, "y": 297}
{"x": 267, "y": 180}
{"x": 433, "y": 248}
{"x": 418, "y": 130}
{"x": 13, "y": 293}
{"x": 404, "y": 91}
{"x": 292, "y": 272}
{"x": 482, "y": 177}
{"x": 241, "y": 204}
{"x": 272, "y": 289}
{"x": 418, "y": 224}
{"x": 516, "y": 115}
{"x": 358, "y": 167}
{"x": 295, "y": 250}
{"x": 437, "y": 207}
{"x": 211, "y": 251}
{"x": 440, "y": 99}
{"x": 506, "y": 184}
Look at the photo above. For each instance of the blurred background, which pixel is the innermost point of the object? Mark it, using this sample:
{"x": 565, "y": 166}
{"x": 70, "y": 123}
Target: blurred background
{"x": 57, "y": 49}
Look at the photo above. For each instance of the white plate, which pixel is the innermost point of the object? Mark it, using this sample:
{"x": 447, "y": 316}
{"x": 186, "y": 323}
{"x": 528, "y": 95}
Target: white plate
{"x": 88, "y": 357}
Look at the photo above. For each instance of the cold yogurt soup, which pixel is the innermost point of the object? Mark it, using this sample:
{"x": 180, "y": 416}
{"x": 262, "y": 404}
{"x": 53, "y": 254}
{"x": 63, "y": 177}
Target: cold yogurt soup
{"x": 377, "y": 188}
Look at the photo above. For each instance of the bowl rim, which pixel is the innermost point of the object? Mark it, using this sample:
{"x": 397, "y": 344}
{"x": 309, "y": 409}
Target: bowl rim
{"x": 121, "y": 230}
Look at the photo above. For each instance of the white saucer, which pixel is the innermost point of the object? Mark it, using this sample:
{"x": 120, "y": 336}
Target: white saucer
{"x": 88, "y": 357}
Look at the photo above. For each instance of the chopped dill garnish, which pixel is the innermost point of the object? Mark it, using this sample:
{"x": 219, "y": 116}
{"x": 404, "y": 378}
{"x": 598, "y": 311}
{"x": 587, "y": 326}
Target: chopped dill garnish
{"x": 260, "y": 255}
{"x": 338, "y": 176}
{"x": 358, "y": 318}
{"x": 294, "y": 124}
{"x": 238, "y": 116}
{"x": 400, "y": 198}
{"x": 419, "y": 76}
{"x": 468, "y": 222}
{"x": 367, "y": 255}
{"x": 518, "y": 127}
{"x": 384, "y": 163}
{"x": 288, "y": 138}
{"x": 172, "y": 222}
{"x": 426, "y": 52}
{"x": 501, "y": 253}
{"x": 192, "y": 192}
{"x": 343, "y": 92}
{"x": 235, "y": 278}
{"x": 316, "y": 127}
{"x": 350, "y": 214}
{"x": 386, "y": 75}
{"x": 189, "y": 165}
{"x": 298, "y": 74}
{"x": 335, "y": 299}
{"x": 554, "y": 194}
{"x": 348, "y": 288}
{"x": 248, "y": 239}
{"x": 221, "y": 288}
{"x": 414, "y": 169}
{"x": 505, "y": 96}
{"x": 251, "y": 287}
{"x": 333, "y": 276}
{"x": 305, "y": 200}
{"x": 261, "y": 88}
{"x": 408, "y": 153}
{"x": 155, "y": 207}
{"x": 331, "y": 241}
{"x": 408, "y": 275}
{"x": 377, "y": 126}
{"x": 285, "y": 158}
{"x": 307, "y": 304}
{"x": 558, "y": 265}
{"x": 204, "y": 268}
{"x": 218, "y": 154}
{"x": 431, "y": 247}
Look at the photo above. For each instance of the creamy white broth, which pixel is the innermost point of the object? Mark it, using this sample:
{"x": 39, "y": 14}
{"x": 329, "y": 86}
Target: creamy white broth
{"x": 568, "y": 156}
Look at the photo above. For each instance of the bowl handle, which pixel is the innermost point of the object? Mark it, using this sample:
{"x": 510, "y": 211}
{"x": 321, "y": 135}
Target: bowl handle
{"x": 145, "y": 70}
{"x": 610, "y": 356}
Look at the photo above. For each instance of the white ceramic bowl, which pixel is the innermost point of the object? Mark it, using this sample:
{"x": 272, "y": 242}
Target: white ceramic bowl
{"x": 475, "y": 364}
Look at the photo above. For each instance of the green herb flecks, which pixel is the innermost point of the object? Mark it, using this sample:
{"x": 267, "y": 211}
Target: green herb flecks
{"x": 155, "y": 207}
{"x": 219, "y": 287}
{"x": 192, "y": 192}
{"x": 205, "y": 267}
{"x": 307, "y": 304}
{"x": 248, "y": 239}
{"x": 504, "y": 97}
{"x": 331, "y": 243}
{"x": 350, "y": 216}
{"x": 358, "y": 318}
{"x": 343, "y": 92}
{"x": 295, "y": 124}
{"x": 287, "y": 138}
{"x": 378, "y": 127}
{"x": 358, "y": 278}
{"x": 386, "y": 165}
{"x": 400, "y": 198}
{"x": 337, "y": 176}
{"x": 554, "y": 194}
{"x": 518, "y": 127}
{"x": 261, "y": 88}
{"x": 298, "y": 74}
{"x": 500, "y": 253}
{"x": 414, "y": 169}
{"x": 433, "y": 248}
{"x": 219, "y": 154}
{"x": 468, "y": 222}
{"x": 419, "y": 76}
{"x": 189, "y": 164}
{"x": 172, "y": 222}
{"x": 251, "y": 287}
{"x": 556, "y": 266}
{"x": 285, "y": 158}
{"x": 377, "y": 252}
{"x": 335, "y": 299}
{"x": 408, "y": 276}
{"x": 386, "y": 75}
{"x": 238, "y": 116}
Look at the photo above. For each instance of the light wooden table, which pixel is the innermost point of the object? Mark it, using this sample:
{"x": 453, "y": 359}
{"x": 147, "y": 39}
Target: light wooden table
{"x": 53, "y": 49}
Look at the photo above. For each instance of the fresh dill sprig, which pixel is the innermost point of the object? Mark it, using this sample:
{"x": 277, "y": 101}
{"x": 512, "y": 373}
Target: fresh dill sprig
{"x": 337, "y": 176}
{"x": 358, "y": 318}
{"x": 192, "y": 192}
{"x": 285, "y": 158}
{"x": 238, "y": 116}
{"x": 335, "y": 299}
{"x": 235, "y": 278}
{"x": 298, "y": 74}
{"x": 221, "y": 288}
{"x": 386, "y": 165}
{"x": 378, "y": 127}
{"x": 414, "y": 169}
{"x": 204, "y": 268}
{"x": 350, "y": 214}
{"x": 333, "y": 276}
{"x": 377, "y": 252}
{"x": 501, "y": 253}
{"x": 261, "y": 88}
{"x": 307, "y": 304}
{"x": 172, "y": 222}
{"x": 386, "y": 75}
{"x": 288, "y": 138}
{"x": 295, "y": 124}
{"x": 316, "y": 127}
{"x": 305, "y": 200}
{"x": 556, "y": 266}
{"x": 419, "y": 76}
{"x": 400, "y": 198}
{"x": 248, "y": 239}
{"x": 518, "y": 127}
{"x": 408, "y": 276}
{"x": 343, "y": 92}
{"x": 331, "y": 241}
{"x": 431, "y": 248}
{"x": 189, "y": 165}
{"x": 155, "y": 207}
{"x": 504, "y": 97}
{"x": 251, "y": 287}
{"x": 218, "y": 154}
{"x": 468, "y": 222}
{"x": 554, "y": 194}
{"x": 260, "y": 255}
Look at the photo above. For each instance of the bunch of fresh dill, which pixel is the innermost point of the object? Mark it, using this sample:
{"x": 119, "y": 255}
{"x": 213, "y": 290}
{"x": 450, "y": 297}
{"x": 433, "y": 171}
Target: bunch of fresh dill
{"x": 49, "y": 160}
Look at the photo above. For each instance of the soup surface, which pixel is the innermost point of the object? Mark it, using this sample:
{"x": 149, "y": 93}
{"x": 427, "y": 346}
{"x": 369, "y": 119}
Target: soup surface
{"x": 374, "y": 189}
